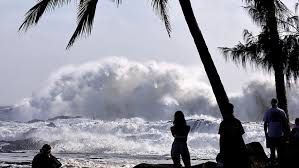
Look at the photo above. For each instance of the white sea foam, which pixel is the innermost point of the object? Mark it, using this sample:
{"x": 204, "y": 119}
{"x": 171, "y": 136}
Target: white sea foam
{"x": 127, "y": 137}
{"x": 118, "y": 88}
{"x": 126, "y": 110}
{"x": 254, "y": 99}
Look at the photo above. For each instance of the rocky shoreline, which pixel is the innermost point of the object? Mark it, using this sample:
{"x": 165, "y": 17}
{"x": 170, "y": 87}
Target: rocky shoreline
{"x": 257, "y": 157}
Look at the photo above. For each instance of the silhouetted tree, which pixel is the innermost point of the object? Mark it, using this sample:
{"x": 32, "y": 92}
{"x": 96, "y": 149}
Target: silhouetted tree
{"x": 86, "y": 12}
{"x": 275, "y": 48}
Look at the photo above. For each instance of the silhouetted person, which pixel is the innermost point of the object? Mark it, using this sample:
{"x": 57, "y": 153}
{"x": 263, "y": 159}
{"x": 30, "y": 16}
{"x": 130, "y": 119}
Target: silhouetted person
{"x": 276, "y": 129}
{"x": 294, "y": 135}
{"x": 179, "y": 148}
{"x": 233, "y": 152}
{"x": 44, "y": 159}
{"x": 219, "y": 160}
{"x": 294, "y": 144}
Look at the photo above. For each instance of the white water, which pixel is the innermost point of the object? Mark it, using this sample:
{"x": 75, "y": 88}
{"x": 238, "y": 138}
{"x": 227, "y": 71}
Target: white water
{"x": 126, "y": 109}
{"x": 119, "y": 88}
{"x": 124, "y": 139}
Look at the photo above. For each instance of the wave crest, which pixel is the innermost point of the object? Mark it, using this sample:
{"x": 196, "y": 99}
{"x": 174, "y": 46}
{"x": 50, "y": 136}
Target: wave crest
{"x": 118, "y": 88}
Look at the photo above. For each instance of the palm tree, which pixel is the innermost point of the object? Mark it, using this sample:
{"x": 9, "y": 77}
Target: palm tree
{"x": 86, "y": 12}
{"x": 275, "y": 48}
{"x": 253, "y": 52}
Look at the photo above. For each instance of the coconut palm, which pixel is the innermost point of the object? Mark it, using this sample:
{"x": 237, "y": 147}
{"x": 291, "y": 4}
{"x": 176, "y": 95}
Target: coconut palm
{"x": 275, "y": 48}
{"x": 86, "y": 12}
{"x": 253, "y": 49}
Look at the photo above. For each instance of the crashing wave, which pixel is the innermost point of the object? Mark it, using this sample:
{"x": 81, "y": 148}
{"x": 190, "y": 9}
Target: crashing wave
{"x": 118, "y": 88}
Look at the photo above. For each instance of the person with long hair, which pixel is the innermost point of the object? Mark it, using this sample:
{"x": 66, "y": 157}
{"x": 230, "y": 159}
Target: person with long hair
{"x": 180, "y": 131}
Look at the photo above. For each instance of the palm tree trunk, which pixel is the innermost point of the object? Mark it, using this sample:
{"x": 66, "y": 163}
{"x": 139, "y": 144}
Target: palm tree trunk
{"x": 205, "y": 56}
{"x": 280, "y": 90}
{"x": 277, "y": 57}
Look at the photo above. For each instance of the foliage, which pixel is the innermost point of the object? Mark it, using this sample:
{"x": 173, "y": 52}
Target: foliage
{"x": 85, "y": 15}
{"x": 256, "y": 50}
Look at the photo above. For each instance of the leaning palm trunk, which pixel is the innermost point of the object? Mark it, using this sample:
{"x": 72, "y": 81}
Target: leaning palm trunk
{"x": 276, "y": 52}
{"x": 205, "y": 56}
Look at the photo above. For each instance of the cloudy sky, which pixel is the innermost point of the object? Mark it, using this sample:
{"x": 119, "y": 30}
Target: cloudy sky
{"x": 131, "y": 30}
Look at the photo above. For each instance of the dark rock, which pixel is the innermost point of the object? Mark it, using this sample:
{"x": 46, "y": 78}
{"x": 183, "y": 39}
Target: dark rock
{"x": 256, "y": 153}
{"x": 144, "y": 165}
{"x": 203, "y": 165}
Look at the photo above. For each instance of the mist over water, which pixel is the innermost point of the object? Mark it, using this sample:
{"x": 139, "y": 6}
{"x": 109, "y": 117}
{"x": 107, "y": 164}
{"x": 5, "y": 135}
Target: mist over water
{"x": 119, "y": 88}
{"x": 255, "y": 97}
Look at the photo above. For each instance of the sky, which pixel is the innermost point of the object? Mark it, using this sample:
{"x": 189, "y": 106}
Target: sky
{"x": 131, "y": 30}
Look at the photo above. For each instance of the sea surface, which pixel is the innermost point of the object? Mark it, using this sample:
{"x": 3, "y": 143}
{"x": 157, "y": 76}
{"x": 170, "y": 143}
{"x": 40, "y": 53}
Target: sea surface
{"x": 82, "y": 142}
{"x": 124, "y": 111}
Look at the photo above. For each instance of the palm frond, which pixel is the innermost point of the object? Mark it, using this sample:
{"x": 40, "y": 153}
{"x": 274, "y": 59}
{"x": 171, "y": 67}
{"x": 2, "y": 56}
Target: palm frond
{"x": 259, "y": 48}
{"x": 254, "y": 51}
{"x": 291, "y": 53}
{"x": 259, "y": 12}
{"x": 289, "y": 24}
{"x": 161, "y": 9}
{"x": 286, "y": 19}
{"x": 86, "y": 13}
{"x": 281, "y": 8}
{"x": 256, "y": 15}
{"x": 35, "y": 13}
{"x": 243, "y": 54}
{"x": 248, "y": 37}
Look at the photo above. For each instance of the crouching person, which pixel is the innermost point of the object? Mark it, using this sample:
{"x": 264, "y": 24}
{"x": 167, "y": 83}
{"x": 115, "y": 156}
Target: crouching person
{"x": 44, "y": 159}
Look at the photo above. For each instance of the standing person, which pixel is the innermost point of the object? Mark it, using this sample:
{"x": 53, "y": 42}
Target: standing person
{"x": 179, "y": 148}
{"x": 232, "y": 146}
{"x": 44, "y": 159}
{"x": 276, "y": 130}
{"x": 294, "y": 135}
{"x": 294, "y": 144}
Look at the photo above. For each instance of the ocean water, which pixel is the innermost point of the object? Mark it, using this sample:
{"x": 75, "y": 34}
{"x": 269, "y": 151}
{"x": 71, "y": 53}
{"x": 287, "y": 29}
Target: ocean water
{"x": 118, "y": 112}
{"x": 82, "y": 142}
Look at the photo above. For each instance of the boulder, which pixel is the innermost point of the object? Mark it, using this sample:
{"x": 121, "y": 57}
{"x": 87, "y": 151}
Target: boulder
{"x": 257, "y": 155}
{"x": 203, "y": 165}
